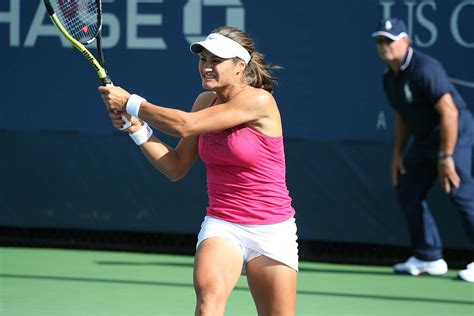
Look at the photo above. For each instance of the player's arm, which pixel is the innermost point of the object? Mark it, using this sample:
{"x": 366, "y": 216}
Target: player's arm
{"x": 248, "y": 107}
{"x": 256, "y": 107}
{"x": 175, "y": 163}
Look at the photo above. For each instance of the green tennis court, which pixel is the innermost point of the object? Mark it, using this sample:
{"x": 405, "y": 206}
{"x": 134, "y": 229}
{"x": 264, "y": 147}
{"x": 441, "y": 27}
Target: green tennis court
{"x": 51, "y": 282}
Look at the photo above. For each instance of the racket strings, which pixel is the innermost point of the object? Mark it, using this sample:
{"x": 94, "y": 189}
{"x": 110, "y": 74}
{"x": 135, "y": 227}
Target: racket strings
{"x": 79, "y": 17}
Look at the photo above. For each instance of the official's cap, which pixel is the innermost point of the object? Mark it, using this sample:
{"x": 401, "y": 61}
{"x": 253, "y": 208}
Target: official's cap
{"x": 392, "y": 28}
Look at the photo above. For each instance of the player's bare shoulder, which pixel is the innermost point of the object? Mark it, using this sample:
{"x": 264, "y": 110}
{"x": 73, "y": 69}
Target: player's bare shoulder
{"x": 265, "y": 98}
{"x": 203, "y": 100}
{"x": 266, "y": 104}
{"x": 267, "y": 116}
{"x": 258, "y": 99}
{"x": 261, "y": 95}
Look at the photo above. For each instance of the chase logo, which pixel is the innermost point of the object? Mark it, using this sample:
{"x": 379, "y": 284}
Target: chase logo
{"x": 193, "y": 16}
{"x": 138, "y": 23}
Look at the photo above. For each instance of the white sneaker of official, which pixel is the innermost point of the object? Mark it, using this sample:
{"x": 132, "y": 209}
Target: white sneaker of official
{"x": 415, "y": 266}
{"x": 468, "y": 273}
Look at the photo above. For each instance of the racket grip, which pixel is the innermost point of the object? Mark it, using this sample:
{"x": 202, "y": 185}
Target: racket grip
{"x": 125, "y": 117}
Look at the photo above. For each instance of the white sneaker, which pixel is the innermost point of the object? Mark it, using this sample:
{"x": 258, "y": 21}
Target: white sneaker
{"x": 468, "y": 273}
{"x": 415, "y": 266}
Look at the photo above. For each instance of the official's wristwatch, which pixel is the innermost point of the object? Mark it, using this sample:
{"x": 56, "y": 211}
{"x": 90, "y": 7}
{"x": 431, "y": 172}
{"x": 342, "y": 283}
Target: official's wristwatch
{"x": 442, "y": 155}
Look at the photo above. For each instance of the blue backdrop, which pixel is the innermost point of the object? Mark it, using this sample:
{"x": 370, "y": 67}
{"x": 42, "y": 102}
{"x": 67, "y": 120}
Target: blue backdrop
{"x": 59, "y": 147}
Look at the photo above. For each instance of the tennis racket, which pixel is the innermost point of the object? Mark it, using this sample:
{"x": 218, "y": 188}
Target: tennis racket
{"x": 80, "y": 21}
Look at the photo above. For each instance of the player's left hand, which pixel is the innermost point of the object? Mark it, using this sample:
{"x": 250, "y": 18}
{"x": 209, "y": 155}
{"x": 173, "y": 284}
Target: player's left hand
{"x": 447, "y": 174}
{"x": 115, "y": 98}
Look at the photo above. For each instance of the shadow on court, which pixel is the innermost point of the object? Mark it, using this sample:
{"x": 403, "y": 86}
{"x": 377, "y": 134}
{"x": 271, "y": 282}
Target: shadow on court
{"x": 301, "y": 269}
{"x": 238, "y": 288}
{"x": 148, "y": 263}
{"x": 340, "y": 271}
{"x": 388, "y": 298}
{"x": 190, "y": 265}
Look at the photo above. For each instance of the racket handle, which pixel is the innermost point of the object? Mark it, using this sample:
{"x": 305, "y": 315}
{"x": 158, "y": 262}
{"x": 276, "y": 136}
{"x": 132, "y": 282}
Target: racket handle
{"x": 125, "y": 117}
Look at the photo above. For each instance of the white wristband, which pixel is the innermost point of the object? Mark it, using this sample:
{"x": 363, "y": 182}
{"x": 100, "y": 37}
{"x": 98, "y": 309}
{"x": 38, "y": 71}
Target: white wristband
{"x": 133, "y": 104}
{"x": 142, "y": 135}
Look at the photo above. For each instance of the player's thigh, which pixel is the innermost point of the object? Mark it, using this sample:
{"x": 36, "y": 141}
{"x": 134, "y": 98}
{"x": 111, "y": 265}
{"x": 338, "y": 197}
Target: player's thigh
{"x": 273, "y": 286}
{"x": 217, "y": 266}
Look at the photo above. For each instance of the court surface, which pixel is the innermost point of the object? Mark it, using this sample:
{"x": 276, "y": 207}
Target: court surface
{"x": 50, "y": 282}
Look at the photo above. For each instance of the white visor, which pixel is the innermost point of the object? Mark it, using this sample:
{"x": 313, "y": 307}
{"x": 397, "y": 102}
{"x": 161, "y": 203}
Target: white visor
{"x": 221, "y": 46}
{"x": 390, "y": 35}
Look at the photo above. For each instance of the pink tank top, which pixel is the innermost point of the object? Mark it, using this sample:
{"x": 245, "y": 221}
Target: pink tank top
{"x": 246, "y": 176}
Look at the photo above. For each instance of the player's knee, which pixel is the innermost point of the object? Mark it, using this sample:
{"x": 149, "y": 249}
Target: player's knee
{"x": 272, "y": 310}
{"x": 210, "y": 299}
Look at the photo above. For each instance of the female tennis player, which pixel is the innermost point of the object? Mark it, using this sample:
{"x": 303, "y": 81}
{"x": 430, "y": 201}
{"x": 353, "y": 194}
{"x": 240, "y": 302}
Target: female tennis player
{"x": 235, "y": 128}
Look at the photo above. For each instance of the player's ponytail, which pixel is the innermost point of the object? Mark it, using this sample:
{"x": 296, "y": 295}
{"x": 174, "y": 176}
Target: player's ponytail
{"x": 258, "y": 73}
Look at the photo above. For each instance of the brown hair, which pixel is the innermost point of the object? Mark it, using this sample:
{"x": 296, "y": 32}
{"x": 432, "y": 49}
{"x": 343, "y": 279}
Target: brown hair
{"x": 258, "y": 73}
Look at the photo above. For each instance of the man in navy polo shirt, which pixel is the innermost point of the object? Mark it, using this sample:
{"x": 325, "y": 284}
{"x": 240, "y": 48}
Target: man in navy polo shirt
{"x": 431, "y": 111}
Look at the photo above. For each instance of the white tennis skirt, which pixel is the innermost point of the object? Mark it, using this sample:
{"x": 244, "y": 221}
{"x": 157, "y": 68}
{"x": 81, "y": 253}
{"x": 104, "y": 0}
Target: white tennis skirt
{"x": 276, "y": 241}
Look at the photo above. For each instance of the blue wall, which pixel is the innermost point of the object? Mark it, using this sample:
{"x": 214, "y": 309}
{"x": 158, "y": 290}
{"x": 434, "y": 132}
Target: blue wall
{"x": 65, "y": 166}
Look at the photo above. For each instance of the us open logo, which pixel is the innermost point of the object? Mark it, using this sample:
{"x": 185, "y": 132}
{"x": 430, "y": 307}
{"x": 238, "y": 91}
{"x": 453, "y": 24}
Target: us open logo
{"x": 423, "y": 19}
